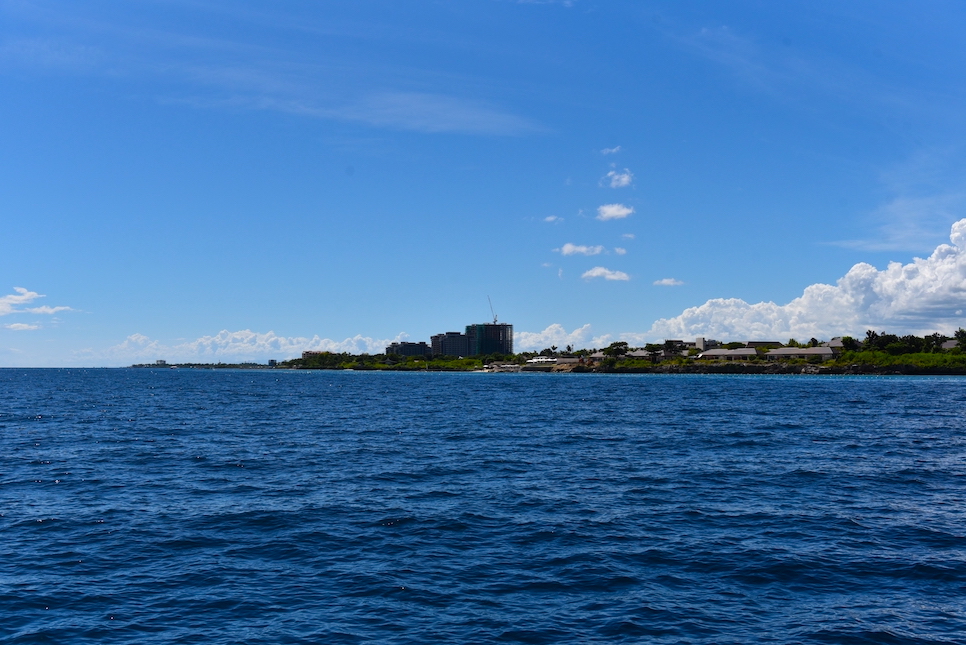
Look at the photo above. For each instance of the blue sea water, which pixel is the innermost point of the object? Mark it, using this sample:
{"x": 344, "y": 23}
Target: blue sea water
{"x": 191, "y": 506}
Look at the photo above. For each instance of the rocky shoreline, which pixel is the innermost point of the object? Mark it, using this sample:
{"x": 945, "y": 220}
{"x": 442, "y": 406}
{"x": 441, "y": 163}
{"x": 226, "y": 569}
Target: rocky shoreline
{"x": 765, "y": 368}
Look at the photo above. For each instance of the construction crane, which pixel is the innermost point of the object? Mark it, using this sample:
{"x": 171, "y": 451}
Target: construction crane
{"x": 491, "y": 309}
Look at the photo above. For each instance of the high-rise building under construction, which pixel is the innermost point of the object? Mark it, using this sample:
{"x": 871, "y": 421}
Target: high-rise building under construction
{"x": 489, "y": 338}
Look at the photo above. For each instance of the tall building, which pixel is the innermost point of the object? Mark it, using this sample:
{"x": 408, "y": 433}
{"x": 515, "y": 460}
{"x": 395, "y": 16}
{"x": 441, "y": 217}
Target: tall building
{"x": 489, "y": 338}
{"x": 451, "y": 343}
{"x": 409, "y": 349}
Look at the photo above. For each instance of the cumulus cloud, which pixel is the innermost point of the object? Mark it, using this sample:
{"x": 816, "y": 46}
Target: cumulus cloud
{"x": 620, "y": 251}
{"x": 552, "y": 219}
{"x": 618, "y": 179}
{"x": 11, "y": 304}
{"x": 606, "y": 274}
{"x": 237, "y": 346}
{"x": 555, "y": 334}
{"x": 668, "y": 282}
{"x": 925, "y": 296}
{"x": 610, "y": 151}
{"x": 21, "y": 326}
{"x": 613, "y": 211}
{"x": 579, "y": 249}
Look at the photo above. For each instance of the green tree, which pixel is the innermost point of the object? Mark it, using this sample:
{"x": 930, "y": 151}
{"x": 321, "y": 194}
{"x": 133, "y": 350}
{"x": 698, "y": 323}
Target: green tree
{"x": 871, "y": 340}
{"x": 616, "y": 349}
{"x": 933, "y": 343}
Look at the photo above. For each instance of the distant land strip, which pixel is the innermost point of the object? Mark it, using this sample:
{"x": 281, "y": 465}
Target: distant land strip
{"x": 876, "y": 354}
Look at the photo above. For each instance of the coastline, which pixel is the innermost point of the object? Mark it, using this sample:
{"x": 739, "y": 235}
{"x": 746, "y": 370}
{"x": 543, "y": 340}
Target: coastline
{"x": 731, "y": 367}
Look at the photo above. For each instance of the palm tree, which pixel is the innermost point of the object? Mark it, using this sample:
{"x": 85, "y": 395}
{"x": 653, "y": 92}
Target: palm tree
{"x": 871, "y": 338}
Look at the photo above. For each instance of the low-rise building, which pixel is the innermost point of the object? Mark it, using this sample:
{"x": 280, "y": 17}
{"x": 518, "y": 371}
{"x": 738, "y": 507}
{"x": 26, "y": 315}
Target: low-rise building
{"x": 703, "y": 344}
{"x": 740, "y": 354}
{"x": 785, "y": 353}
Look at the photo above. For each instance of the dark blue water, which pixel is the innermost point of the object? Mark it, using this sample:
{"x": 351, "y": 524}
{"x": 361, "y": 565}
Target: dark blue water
{"x": 176, "y": 506}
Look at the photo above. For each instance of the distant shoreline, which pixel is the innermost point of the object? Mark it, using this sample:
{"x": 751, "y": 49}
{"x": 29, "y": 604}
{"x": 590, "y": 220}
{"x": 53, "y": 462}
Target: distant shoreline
{"x": 731, "y": 367}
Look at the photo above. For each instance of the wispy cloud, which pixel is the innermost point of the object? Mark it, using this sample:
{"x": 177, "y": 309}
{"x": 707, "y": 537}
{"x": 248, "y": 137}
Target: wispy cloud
{"x": 794, "y": 75}
{"x": 606, "y": 274}
{"x": 553, "y": 219}
{"x": 620, "y": 250}
{"x": 49, "y": 53}
{"x": 220, "y": 73}
{"x": 566, "y": 3}
{"x": 613, "y": 211}
{"x": 610, "y": 151}
{"x": 928, "y": 194}
{"x": 21, "y": 326}
{"x": 431, "y": 113}
{"x": 12, "y": 304}
{"x": 617, "y": 179}
{"x": 628, "y": 236}
{"x": 579, "y": 249}
{"x": 668, "y": 282}
{"x": 420, "y": 112}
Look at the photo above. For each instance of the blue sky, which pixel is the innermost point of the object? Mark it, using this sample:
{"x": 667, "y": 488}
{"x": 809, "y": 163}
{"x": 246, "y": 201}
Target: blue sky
{"x": 237, "y": 180}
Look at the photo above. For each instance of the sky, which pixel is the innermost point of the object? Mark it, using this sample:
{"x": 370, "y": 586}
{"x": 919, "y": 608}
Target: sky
{"x": 232, "y": 181}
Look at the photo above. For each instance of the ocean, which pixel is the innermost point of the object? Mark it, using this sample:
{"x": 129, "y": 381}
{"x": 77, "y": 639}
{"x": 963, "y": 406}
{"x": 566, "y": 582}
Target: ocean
{"x": 275, "y": 506}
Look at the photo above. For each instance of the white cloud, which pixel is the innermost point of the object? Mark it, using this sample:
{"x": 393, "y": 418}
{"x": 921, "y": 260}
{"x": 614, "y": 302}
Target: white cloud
{"x": 10, "y": 304}
{"x": 628, "y": 236}
{"x": 552, "y": 219}
{"x": 613, "y": 211}
{"x": 620, "y": 251}
{"x": 555, "y": 334}
{"x": 618, "y": 179}
{"x": 236, "y": 346}
{"x": 575, "y": 249}
{"x": 924, "y": 296}
{"x": 46, "y": 310}
{"x": 610, "y": 151}
{"x": 607, "y": 274}
{"x": 668, "y": 282}
{"x": 21, "y": 326}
